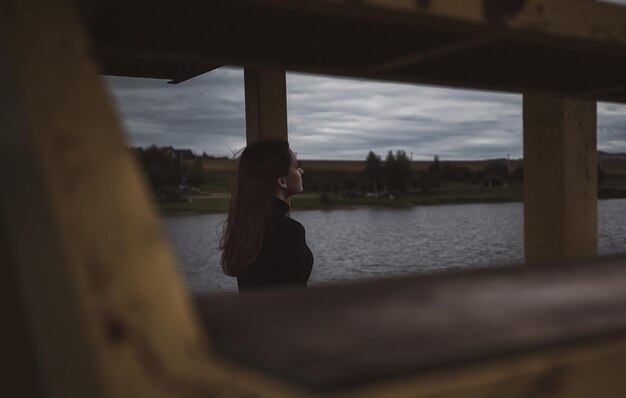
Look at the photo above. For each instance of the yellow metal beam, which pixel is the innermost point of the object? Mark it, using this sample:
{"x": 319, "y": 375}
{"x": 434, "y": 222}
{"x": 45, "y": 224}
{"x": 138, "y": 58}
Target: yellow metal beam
{"x": 560, "y": 179}
{"x": 579, "y": 19}
{"x": 18, "y": 361}
{"x": 266, "y": 103}
{"x": 109, "y": 314}
{"x": 580, "y": 372}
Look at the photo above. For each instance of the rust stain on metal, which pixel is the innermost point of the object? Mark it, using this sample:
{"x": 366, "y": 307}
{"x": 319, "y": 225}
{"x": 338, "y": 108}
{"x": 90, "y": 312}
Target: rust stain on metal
{"x": 497, "y": 11}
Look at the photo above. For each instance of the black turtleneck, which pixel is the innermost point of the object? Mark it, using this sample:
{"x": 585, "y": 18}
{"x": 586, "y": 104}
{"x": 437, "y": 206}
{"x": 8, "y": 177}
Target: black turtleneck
{"x": 284, "y": 258}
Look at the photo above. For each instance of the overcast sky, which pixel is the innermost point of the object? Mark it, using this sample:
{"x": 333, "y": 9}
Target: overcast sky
{"x": 332, "y": 118}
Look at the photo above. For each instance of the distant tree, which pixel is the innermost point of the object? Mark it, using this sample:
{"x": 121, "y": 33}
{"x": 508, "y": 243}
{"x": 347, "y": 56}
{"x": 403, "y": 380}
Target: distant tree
{"x": 403, "y": 171}
{"x": 451, "y": 172}
{"x": 373, "y": 169}
{"x": 601, "y": 175}
{"x": 349, "y": 182}
{"x": 499, "y": 167}
{"x": 160, "y": 167}
{"x": 389, "y": 171}
{"x": 434, "y": 168}
{"x": 196, "y": 176}
{"x": 424, "y": 180}
{"x": 495, "y": 173}
{"x": 517, "y": 175}
{"x": 397, "y": 171}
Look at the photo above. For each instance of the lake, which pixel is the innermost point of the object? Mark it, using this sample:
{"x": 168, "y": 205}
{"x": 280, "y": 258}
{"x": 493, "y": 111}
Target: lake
{"x": 365, "y": 243}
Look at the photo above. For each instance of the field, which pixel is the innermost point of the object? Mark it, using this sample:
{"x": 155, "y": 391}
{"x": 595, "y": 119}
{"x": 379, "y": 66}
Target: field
{"x": 344, "y": 182}
{"x": 447, "y": 194}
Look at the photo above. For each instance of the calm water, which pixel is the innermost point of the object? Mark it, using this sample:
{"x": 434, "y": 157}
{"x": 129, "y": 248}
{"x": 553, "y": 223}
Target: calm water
{"x": 351, "y": 244}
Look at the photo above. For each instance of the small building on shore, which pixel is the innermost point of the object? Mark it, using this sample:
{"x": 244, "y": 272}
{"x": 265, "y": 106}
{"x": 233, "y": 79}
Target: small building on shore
{"x": 492, "y": 180}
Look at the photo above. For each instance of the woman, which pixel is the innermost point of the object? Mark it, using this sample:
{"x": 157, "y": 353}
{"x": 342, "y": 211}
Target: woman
{"x": 261, "y": 245}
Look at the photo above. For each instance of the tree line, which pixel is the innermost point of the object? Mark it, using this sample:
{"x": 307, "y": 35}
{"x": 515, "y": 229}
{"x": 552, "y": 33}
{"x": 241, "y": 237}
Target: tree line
{"x": 395, "y": 174}
{"x": 173, "y": 173}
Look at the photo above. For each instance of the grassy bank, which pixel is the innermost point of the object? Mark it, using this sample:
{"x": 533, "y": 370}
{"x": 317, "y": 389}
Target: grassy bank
{"x": 318, "y": 200}
{"x": 196, "y": 205}
{"x": 454, "y": 194}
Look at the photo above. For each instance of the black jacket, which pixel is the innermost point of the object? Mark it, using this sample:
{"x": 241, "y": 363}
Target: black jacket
{"x": 284, "y": 258}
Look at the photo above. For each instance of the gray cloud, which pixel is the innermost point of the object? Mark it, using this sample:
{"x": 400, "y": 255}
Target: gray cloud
{"x": 612, "y": 127}
{"x": 204, "y": 114}
{"x": 351, "y": 117}
{"x": 332, "y": 118}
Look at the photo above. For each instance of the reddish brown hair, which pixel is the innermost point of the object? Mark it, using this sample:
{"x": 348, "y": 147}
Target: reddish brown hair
{"x": 260, "y": 165}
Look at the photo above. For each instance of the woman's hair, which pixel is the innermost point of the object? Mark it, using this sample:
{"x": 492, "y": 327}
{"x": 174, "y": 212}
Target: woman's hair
{"x": 260, "y": 165}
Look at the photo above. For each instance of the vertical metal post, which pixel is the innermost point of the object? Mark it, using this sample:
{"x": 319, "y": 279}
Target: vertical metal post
{"x": 560, "y": 178}
{"x": 266, "y": 104}
{"x": 107, "y": 309}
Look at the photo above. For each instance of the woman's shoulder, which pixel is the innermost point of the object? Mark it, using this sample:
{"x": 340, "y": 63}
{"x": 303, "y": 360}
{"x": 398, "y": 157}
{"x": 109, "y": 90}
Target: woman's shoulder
{"x": 283, "y": 229}
{"x": 291, "y": 225}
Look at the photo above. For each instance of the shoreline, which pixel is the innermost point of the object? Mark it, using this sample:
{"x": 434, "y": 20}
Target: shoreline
{"x": 219, "y": 205}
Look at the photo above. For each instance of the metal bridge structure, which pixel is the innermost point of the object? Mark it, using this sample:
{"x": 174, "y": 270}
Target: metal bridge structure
{"x": 95, "y": 306}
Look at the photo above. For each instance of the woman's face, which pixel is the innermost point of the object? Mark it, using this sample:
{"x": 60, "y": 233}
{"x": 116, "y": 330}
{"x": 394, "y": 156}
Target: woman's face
{"x": 293, "y": 180}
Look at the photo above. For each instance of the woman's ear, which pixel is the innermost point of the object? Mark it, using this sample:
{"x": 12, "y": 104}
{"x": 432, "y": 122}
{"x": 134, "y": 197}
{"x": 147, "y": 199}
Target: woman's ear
{"x": 282, "y": 182}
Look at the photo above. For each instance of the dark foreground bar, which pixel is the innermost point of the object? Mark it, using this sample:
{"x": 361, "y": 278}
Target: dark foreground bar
{"x": 558, "y": 46}
{"x": 339, "y": 336}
